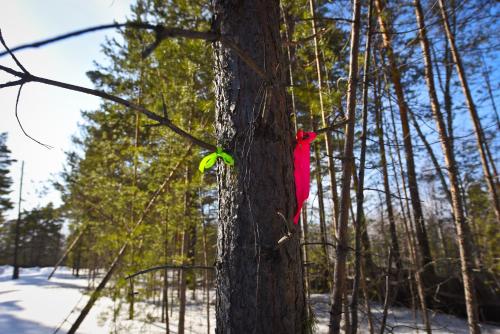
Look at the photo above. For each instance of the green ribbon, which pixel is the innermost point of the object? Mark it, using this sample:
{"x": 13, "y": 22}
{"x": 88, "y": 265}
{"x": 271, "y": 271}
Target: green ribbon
{"x": 210, "y": 159}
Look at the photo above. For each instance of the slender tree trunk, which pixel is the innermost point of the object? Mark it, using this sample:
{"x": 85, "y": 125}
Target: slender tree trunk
{"x": 433, "y": 157}
{"x": 206, "y": 273}
{"x": 489, "y": 89}
{"x": 409, "y": 230}
{"x": 367, "y": 302}
{"x": 15, "y": 273}
{"x": 395, "y": 75}
{"x": 486, "y": 159}
{"x": 325, "y": 268}
{"x": 387, "y": 293}
{"x": 66, "y": 252}
{"x": 387, "y": 188}
{"x": 360, "y": 216}
{"x": 305, "y": 258}
{"x": 187, "y": 254}
{"x": 329, "y": 153}
{"x": 182, "y": 283}
{"x": 341, "y": 248}
{"x": 78, "y": 260}
{"x": 165, "y": 306}
{"x": 304, "y": 227}
{"x": 463, "y": 230}
{"x": 257, "y": 281}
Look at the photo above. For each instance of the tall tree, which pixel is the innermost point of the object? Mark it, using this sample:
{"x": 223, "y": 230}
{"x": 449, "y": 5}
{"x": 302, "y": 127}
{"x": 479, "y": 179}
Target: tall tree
{"x": 341, "y": 249}
{"x": 17, "y": 228}
{"x": 487, "y": 161}
{"x": 360, "y": 215}
{"x": 328, "y": 139}
{"x": 257, "y": 282}
{"x": 395, "y": 75}
{"x": 463, "y": 230}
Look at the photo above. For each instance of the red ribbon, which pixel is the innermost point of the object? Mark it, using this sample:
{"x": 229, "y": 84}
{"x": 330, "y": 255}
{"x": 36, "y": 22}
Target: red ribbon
{"x": 302, "y": 169}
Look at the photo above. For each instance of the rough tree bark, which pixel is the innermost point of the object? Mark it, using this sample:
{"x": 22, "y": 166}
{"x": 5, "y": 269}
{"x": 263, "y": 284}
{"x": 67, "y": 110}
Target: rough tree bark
{"x": 259, "y": 285}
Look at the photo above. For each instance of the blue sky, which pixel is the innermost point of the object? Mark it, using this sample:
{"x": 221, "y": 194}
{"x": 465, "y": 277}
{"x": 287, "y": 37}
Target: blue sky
{"x": 48, "y": 113}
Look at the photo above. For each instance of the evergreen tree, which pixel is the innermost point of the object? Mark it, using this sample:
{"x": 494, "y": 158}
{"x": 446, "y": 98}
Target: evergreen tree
{"x": 5, "y": 179}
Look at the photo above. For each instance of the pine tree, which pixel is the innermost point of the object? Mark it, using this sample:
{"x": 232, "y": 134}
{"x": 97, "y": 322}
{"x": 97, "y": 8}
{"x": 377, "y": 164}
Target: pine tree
{"x": 5, "y": 179}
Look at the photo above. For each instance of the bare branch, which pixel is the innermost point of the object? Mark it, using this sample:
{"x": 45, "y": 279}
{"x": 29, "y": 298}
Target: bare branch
{"x": 12, "y": 83}
{"x": 331, "y": 19}
{"x": 333, "y": 126}
{"x": 320, "y": 33}
{"x": 162, "y": 33}
{"x": 19, "y": 121}
{"x": 18, "y": 63}
{"x": 137, "y": 25}
{"x": 27, "y": 77}
{"x": 170, "y": 266}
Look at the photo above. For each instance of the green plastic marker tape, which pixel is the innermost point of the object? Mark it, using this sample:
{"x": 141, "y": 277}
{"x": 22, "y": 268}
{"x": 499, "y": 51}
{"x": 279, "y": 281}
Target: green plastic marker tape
{"x": 208, "y": 161}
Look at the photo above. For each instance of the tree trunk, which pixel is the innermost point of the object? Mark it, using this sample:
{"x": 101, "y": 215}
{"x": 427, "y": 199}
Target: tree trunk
{"x": 395, "y": 75}
{"x": 15, "y": 272}
{"x": 489, "y": 89}
{"x": 415, "y": 261}
{"x": 66, "y": 252}
{"x": 482, "y": 145}
{"x": 437, "y": 167}
{"x": 463, "y": 230}
{"x": 259, "y": 285}
{"x": 206, "y": 273}
{"x": 187, "y": 253}
{"x": 303, "y": 220}
{"x": 325, "y": 266}
{"x": 165, "y": 304}
{"x": 328, "y": 140}
{"x": 341, "y": 248}
{"x": 360, "y": 216}
{"x": 387, "y": 188}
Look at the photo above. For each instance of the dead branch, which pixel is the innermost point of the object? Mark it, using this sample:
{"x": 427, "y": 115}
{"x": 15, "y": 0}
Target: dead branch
{"x": 170, "y": 266}
{"x": 161, "y": 33}
{"x": 25, "y": 77}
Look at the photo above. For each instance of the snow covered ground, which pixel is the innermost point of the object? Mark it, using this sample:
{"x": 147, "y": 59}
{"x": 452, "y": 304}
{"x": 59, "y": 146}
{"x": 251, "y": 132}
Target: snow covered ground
{"x": 33, "y": 305}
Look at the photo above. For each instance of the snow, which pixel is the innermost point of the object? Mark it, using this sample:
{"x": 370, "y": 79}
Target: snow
{"x": 399, "y": 320}
{"x": 34, "y": 305}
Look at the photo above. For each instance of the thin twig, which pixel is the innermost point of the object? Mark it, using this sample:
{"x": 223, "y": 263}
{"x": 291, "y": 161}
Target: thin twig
{"x": 19, "y": 121}
{"x": 169, "y": 266}
{"x": 332, "y": 127}
{"x": 26, "y": 77}
{"x": 137, "y": 25}
{"x": 162, "y": 33}
{"x": 18, "y": 63}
